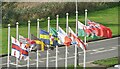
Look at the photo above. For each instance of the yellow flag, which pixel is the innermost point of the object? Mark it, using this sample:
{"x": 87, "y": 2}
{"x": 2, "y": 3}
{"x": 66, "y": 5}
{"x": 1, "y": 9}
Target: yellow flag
{"x": 41, "y": 43}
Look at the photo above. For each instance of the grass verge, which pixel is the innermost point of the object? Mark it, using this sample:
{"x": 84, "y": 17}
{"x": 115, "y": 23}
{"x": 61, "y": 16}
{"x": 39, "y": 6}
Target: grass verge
{"x": 110, "y": 62}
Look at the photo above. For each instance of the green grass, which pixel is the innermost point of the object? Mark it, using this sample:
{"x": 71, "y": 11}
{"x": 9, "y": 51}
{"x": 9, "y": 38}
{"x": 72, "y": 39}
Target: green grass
{"x": 108, "y": 17}
{"x": 0, "y": 40}
{"x": 107, "y": 62}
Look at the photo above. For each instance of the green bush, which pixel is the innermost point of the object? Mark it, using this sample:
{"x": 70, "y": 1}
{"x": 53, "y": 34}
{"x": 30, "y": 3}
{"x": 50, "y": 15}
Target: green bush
{"x": 12, "y": 12}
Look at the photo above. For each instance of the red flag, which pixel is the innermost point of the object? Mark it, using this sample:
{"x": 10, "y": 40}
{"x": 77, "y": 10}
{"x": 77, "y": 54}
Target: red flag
{"x": 106, "y": 31}
{"x": 100, "y": 30}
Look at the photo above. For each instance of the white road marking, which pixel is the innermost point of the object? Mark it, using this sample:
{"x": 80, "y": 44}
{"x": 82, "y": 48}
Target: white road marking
{"x": 91, "y": 50}
{"x": 98, "y": 49}
{"x": 88, "y": 50}
{"x": 12, "y": 63}
{"x": 83, "y": 52}
{"x": 33, "y": 64}
{"x": 62, "y": 59}
{"x": 49, "y": 57}
{"x": 114, "y": 47}
{"x": 3, "y": 64}
{"x": 103, "y": 40}
{"x": 80, "y": 52}
{"x": 102, "y": 51}
{"x": 36, "y": 60}
{"x": 18, "y": 65}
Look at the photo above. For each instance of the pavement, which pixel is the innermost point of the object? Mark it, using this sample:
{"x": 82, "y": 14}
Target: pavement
{"x": 96, "y": 50}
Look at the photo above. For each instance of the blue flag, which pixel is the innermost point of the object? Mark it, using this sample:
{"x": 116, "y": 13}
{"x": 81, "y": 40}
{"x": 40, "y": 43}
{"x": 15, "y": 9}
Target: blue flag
{"x": 44, "y": 36}
{"x": 47, "y": 38}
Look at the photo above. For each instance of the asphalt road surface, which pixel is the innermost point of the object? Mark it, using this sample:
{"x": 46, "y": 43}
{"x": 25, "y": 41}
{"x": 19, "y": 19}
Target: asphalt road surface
{"x": 96, "y": 50}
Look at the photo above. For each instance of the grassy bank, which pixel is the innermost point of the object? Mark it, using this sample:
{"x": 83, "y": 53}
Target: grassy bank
{"x": 108, "y": 17}
{"x": 110, "y": 62}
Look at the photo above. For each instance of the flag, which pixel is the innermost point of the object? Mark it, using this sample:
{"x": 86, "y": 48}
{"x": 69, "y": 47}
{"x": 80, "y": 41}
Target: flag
{"x": 106, "y": 30}
{"x": 81, "y": 44}
{"x": 15, "y": 47}
{"x": 91, "y": 32}
{"x": 63, "y": 37}
{"x": 82, "y": 30}
{"x": 53, "y": 31}
{"x": 24, "y": 51}
{"x": 94, "y": 28}
{"x": 39, "y": 43}
{"x": 88, "y": 31}
{"x": 76, "y": 40}
{"x": 80, "y": 25}
{"x": 72, "y": 36}
{"x": 54, "y": 36}
{"x": 24, "y": 40}
{"x": 94, "y": 36}
{"x": 103, "y": 31}
{"x": 19, "y": 50}
{"x": 47, "y": 38}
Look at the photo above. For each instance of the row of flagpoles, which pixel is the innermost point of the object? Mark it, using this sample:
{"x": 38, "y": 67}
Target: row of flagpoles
{"x": 38, "y": 29}
{"x": 65, "y": 36}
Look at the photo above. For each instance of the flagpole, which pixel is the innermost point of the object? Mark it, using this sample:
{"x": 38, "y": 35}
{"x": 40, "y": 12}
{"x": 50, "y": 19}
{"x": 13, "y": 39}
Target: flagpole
{"x": 8, "y": 60}
{"x": 17, "y": 39}
{"x": 28, "y": 62}
{"x": 85, "y": 39}
{"x": 85, "y": 23}
{"x": 66, "y": 53}
{"x": 47, "y": 62}
{"x": 37, "y": 45}
{"x": 57, "y": 45}
{"x": 75, "y": 61}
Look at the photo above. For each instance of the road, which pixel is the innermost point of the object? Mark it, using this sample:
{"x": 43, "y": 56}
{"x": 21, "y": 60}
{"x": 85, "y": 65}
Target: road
{"x": 96, "y": 50}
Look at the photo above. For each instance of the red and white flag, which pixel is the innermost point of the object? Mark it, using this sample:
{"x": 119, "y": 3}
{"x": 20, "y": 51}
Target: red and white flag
{"x": 27, "y": 41}
{"x": 15, "y": 47}
{"x": 76, "y": 40}
{"x": 100, "y": 29}
{"x": 24, "y": 51}
{"x": 19, "y": 50}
